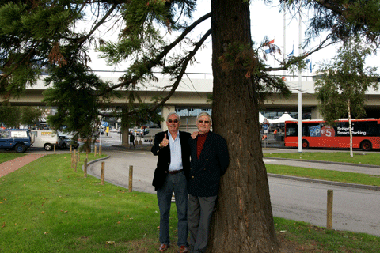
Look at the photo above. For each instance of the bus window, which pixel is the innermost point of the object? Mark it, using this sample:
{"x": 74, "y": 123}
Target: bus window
{"x": 291, "y": 129}
{"x": 371, "y": 128}
{"x": 311, "y": 129}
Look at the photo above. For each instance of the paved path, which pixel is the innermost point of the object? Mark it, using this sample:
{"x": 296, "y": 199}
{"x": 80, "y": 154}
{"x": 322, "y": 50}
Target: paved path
{"x": 354, "y": 209}
{"x": 117, "y": 165}
{"x": 12, "y": 165}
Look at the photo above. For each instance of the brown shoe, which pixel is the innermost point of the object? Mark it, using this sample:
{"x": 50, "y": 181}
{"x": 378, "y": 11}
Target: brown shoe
{"x": 183, "y": 249}
{"x": 163, "y": 247}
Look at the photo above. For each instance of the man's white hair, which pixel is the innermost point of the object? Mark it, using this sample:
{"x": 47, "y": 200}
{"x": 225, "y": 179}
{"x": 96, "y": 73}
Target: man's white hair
{"x": 203, "y": 114}
{"x": 173, "y": 113}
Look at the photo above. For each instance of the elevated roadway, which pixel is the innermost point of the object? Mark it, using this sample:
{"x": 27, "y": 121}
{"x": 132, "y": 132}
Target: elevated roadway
{"x": 195, "y": 90}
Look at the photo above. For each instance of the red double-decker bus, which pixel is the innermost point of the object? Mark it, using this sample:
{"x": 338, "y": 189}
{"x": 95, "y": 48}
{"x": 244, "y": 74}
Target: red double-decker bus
{"x": 315, "y": 133}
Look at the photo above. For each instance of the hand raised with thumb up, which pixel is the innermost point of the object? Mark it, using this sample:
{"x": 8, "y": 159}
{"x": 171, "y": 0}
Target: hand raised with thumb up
{"x": 165, "y": 141}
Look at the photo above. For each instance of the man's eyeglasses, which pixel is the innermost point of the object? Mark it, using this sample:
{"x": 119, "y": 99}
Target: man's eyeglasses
{"x": 173, "y": 120}
{"x": 203, "y": 121}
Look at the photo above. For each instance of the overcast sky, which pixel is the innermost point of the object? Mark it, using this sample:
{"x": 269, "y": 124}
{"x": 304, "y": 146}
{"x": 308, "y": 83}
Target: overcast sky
{"x": 266, "y": 20}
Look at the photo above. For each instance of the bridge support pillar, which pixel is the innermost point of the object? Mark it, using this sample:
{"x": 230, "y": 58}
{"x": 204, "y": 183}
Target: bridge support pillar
{"x": 125, "y": 137}
{"x": 315, "y": 113}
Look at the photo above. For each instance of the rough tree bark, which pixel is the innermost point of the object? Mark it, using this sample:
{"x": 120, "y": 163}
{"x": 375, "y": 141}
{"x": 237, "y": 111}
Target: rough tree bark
{"x": 243, "y": 221}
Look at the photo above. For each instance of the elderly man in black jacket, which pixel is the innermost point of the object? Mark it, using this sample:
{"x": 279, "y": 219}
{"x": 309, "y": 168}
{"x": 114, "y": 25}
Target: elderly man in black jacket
{"x": 209, "y": 161}
{"x": 173, "y": 151}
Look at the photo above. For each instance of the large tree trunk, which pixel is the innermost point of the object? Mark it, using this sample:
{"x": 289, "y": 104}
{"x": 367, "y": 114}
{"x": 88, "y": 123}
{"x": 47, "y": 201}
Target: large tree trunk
{"x": 243, "y": 221}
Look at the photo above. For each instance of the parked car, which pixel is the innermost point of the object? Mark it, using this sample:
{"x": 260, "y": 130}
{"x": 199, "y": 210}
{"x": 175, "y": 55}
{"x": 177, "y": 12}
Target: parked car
{"x": 137, "y": 132}
{"x": 19, "y": 140}
{"x": 65, "y": 142}
{"x": 45, "y": 139}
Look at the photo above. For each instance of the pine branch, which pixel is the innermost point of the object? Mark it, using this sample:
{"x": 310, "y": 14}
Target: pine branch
{"x": 338, "y": 9}
{"x": 125, "y": 81}
{"x": 183, "y": 69}
{"x": 180, "y": 75}
{"x": 82, "y": 39}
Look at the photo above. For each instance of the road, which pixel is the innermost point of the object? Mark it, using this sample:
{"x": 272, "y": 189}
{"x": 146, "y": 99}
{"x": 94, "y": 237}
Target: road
{"x": 354, "y": 209}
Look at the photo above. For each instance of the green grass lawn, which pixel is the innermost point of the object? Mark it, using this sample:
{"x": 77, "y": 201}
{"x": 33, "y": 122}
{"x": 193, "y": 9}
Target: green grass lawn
{"x": 9, "y": 156}
{"x": 47, "y": 207}
{"x": 358, "y": 158}
{"x": 308, "y": 238}
{"x": 329, "y": 175}
{"x": 336, "y": 176}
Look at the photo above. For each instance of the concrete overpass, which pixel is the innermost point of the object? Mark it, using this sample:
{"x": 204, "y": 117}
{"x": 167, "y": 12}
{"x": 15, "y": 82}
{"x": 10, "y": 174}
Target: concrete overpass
{"x": 194, "y": 92}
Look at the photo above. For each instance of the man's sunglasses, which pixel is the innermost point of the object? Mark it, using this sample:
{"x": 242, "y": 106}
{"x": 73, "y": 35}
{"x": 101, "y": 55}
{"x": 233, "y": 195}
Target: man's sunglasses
{"x": 173, "y": 120}
{"x": 203, "y": 121}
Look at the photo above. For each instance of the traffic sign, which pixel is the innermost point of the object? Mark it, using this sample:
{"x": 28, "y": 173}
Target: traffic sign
{"x": 105, "y": 124}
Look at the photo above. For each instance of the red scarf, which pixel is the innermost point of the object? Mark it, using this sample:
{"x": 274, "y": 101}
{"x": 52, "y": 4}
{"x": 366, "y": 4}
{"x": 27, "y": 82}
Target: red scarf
{"x": 200, "y": 141}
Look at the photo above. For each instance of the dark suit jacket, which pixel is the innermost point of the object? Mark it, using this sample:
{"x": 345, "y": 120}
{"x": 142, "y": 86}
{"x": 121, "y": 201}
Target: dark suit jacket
{"x": 163, "y": 154}
{"x": 206, "y": 171}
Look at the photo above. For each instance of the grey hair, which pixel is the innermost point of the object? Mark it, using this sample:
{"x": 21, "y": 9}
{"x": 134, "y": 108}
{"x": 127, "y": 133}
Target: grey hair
{"x": 204, "y": 114}
{"x": 173, "y": 113}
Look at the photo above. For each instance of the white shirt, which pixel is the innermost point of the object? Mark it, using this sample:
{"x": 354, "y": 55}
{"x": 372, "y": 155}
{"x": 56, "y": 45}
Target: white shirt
{"x": 175, "y": 153}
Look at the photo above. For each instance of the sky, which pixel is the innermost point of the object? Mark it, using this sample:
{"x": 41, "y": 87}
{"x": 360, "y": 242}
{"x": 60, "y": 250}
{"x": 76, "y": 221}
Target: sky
{"x": 266, "y": 20}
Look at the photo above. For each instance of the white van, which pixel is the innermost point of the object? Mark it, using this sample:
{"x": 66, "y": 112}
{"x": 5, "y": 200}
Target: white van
{"x": 45, "y": 139}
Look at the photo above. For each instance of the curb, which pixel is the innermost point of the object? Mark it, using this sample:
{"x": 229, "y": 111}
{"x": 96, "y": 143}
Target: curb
{"x": 320, "y": 181}
{"x": 325, "y": 162}
{"x": 138, "y": 147}
{"x": 310, "y": 180}
{"x": 94, "y": 161}
{"x": 89, "y": 172}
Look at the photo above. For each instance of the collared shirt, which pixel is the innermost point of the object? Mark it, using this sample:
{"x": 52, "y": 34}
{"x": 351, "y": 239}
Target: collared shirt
{"x": 175, "y": 153}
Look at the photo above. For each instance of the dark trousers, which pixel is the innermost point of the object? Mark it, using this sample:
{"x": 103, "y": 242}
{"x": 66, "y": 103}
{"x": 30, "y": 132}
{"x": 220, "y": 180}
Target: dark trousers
{"x": 176, "y": 183}
{"x": 200, "y": 212}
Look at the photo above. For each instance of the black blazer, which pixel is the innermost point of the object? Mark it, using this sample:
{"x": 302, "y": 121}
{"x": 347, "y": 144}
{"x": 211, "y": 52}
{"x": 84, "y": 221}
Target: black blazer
{"x": 163, "y": 154}
{"x": 206, "y": 171}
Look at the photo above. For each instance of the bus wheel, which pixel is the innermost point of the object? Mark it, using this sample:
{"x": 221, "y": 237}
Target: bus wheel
{"x": 305, "y": 144}
{"x": 366, "y": 145}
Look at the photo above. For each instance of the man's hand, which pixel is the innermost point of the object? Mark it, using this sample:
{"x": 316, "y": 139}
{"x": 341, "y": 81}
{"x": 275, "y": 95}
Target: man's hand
{"x": 194, "y": 134}
{"x": 164, "y": 142}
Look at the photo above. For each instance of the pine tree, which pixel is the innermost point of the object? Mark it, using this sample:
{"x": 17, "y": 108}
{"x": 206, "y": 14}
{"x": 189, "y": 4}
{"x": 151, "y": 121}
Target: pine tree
{"x": 44, "y": 36}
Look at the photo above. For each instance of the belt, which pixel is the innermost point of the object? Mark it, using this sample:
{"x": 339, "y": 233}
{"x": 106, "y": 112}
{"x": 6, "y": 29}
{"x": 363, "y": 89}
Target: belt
{"x": 175, "y": 172}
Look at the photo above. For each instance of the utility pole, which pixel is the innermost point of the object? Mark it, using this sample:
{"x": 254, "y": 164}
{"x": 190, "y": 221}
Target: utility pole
{"x": 300, "y": 84}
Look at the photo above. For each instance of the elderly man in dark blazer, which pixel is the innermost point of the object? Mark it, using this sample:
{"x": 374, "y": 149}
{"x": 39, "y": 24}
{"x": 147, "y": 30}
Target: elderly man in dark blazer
{"x": 209, "y": 161}
{"x": 173, "y": 151}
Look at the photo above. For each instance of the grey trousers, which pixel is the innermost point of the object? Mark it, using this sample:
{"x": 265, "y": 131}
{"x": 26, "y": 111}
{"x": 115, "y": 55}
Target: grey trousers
{"x": 178, "y": 184}
{"x": 199, "y": 218}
